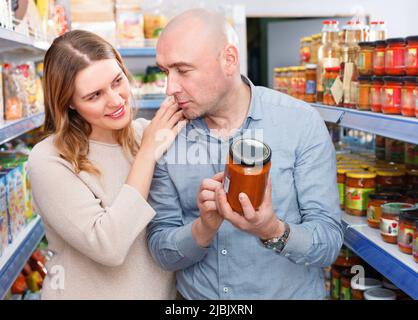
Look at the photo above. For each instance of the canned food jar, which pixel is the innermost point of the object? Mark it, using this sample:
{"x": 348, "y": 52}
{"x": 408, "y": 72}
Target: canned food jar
{"x": 365, "y": 58}
{"x": 247, "y": 171}
{"x": 389, "y": 222}
{"x": 389, "y": 179}
{"x": 412, "y": 179}
{"x": 409, "y": 96}
{"x": 407, "y": 220}
{"x": 395, "y": 57}
{"x": 363, "y": 98}
{"x": 374, "y": 210}
{"x": 411, "y": 56}
{"x": 392, "y": 95}
{"x": 376, "y": 94}
{"x": 379, "y": 58}
{"x": 358, "y": 186}
{"x": 360, "y": 285}
{"x": 310, "y": 89}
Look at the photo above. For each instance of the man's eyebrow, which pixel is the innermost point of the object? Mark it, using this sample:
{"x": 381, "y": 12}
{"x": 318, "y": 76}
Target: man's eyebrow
{"x": 117, "y": 76}
{"x": 176, "y": 65}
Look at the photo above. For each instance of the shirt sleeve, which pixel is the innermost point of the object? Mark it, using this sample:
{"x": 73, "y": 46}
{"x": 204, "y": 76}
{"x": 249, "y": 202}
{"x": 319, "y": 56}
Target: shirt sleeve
{"x": 318, "y": 238}
{"x": 69, "y": 207}
{"x": 170, "y": 240}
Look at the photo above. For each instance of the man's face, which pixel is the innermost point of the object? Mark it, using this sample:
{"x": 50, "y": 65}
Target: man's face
{"x": 194, "y": 72}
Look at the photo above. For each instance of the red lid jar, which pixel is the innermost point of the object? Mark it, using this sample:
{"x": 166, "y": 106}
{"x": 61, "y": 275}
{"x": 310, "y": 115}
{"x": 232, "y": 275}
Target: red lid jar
{"x": 411, "y": 56}
{"x": 395, "y": 57}
{"x": 409, "y": 96}
{"x": 391, "y": 95}
{"x": 376, "y": 94}
{"x": 379, "y": 58}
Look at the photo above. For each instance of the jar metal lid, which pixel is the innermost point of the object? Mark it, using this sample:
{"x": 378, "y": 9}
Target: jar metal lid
{"x": 380, "y": 43}
{"x": 391, "y": 196}
{"x": 395, "y": 40}
{"x": 310, "y": 66}
{"x": 392, "y": 79}
{"x": 379, "y": 294}
{"x": 377, "y": 78}
{"x": 364, "y": 78}
{"x": 249, "y": 152}
{"x": 409, "y": 214}
{"x": 394, "y": 208}
{"x": 361, "y": 175}
{"x": 390, "y": 173}
{"x": 410, "y": 79}
{"x": 366, "y": 284}
{"x": 366, "y": 44}
{"x": 411, "y": 38}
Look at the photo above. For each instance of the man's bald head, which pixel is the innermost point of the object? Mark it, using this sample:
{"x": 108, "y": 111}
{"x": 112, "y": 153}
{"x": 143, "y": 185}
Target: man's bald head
{"x": 210, "y": 25}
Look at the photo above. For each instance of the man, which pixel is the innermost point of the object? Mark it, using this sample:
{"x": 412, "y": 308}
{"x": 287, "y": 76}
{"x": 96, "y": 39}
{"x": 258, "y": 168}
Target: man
{"x": 276, "y": 252}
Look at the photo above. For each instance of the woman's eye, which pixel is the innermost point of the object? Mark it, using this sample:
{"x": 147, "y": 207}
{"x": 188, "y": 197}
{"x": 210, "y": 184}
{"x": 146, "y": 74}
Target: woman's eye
{"x": 94, "y": 96}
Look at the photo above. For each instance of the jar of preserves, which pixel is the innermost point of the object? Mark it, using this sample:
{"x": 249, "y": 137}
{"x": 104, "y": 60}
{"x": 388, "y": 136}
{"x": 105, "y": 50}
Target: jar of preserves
{"x": 411, "y": 56}
{"x": 293, "y": 81}
{"x": 394, "y": 151}
{"x": 415, "y": 243}
{"x": 276, "y": 82}
{"x": 411, "y": 156}
{"x": 315, "y": 44}
{"x": 363, "y": 100}
{"x": 360, "y": 285}
{"x": 395, "y": 57}
{"x": 374, "y": 211}
{"x": 379, "y": 294}
{"x": 380, "y": 147}
{"x": 310, "y": 85}
{"x": 247, "y": 171}
{"x": 412, "y": 179}
{"x": 365, "y": 59}
{"x": 378, "y": 31}
{"x": 389, "y": 222}
{"x": 392, "y": 95}
{"x": 345, "y": 285}
{"x": 358, "y": 186}
{"x": 409, "y": 96}
{"x": 389, "y": 179}
{"x": 301, "y": 82}
{"x": 305, "y": 50}
{"x": 376, "y": 94}
{"x": 347, "y": 258}
{"x": 330, "y": 75}
{"x": 407, "y": 220}
{"x": 379, "y": 58}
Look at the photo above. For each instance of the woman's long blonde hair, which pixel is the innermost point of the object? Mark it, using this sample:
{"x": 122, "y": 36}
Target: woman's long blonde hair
{"x": 67, "y": 55}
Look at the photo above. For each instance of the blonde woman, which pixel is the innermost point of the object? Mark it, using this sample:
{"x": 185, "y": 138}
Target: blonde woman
{"x": 91, "y": 176}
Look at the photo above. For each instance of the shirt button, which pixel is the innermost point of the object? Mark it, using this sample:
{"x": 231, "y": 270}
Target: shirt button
{"x": 224, "y": 252}
{"x": 226, "y": 289}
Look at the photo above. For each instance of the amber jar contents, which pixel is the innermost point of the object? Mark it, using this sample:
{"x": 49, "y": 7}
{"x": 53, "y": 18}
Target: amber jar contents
{"x": 392, "y": 95}
{"x": 411, "y": 56}
{"x": 363, "y": 100}
{"x": 247, "y": 171}
{"x": 389, "y": 222}
{"x": 328, "y": 81}
{"x": 407, "y": 220}
{"x": 365, "y": 58}
{"x": 360, "y": 285}
{"x": 389, "y": 179}
{"x": 346, "y": 258}
{"x": 310, "y": 84}
{"x": 379, "y": 58}
{"x": 376, "y": 94}
{"x": 409, "y": 96}
{"x": 395, "y": 57}
{"x": 374, "y": 210}
{"x": 358, "y": 186}
{"x": 415, "y": 243}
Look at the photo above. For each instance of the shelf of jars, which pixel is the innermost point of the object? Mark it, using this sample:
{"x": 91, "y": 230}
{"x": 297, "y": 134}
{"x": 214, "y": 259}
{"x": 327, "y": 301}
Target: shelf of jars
{"x": 390, "y": 126}
{"x": 18, "y": 252}
{"x": 12, "y": 129}
{"x": 386, "y": 258}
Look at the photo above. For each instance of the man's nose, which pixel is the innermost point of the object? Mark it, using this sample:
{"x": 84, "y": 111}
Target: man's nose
{"x": 173, "y": 87}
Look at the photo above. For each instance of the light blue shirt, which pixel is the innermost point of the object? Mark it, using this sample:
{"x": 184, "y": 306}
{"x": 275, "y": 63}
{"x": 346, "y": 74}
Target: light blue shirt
{"x": 304, "y": 193}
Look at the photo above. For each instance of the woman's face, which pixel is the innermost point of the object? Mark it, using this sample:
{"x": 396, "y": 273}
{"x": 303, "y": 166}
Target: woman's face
{"x": 101, "y": 97}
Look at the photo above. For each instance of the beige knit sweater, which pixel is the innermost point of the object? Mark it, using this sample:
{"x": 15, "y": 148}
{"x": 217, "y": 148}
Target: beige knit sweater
{"x": 96, "y": 227}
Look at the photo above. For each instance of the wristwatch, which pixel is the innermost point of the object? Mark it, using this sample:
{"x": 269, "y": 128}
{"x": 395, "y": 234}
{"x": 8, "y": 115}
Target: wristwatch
{"x": 277, "y": 243}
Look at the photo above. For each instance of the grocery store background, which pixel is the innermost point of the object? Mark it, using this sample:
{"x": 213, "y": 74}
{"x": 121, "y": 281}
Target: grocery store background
{"x": 323, "y": 52}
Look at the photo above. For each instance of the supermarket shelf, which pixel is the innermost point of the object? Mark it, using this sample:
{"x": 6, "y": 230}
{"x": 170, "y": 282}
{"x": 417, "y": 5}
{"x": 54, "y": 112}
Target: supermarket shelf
{"x": 16, "y": 254}
{"x": 12, "y": 129}
{"x": 14, "y": 43}
{"x": 395, "y": 127}
{"x": 137, "y": 52}
{"x": 386, "y": 258}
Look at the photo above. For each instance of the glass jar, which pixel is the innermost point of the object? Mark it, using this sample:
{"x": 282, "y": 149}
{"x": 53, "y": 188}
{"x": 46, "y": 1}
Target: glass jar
{"x": 392, "y": 95}
{"x": 378, "y": 31}
{"x": 315, "y": 44}
{"x": 247, "y": 171}
{"x": 341, "y": 176}
{"x": 412, "y": 179}
{"x": 389, "y": 179}
{"x": 310, "y": 85}
{"x": 389, "y": 222}
{"x": 415, "y": 243}
{"x": 379, "y": 58}
{"x": 395, "y": 57}
{"x": 376, "y": 94}
{"x": 347, "y": 258}
{"x": 409, "y": 96}
{"x": 365, "y": 59}
{"x": 379, "y": 294}
{"x": 411, "y": 56}
{"x": 374, "y": 210}
{"x": 360, "y": 285}
{"x": 380, "y": 147}
{"x": 358, "y": 186}
{"x": 345, "y": 288}
{"x": 293, "y": 89}
{"x": 394, "y": 151}
{"x": 411, "y": 156}
{"x": 330, "y": 75}
{"x": 363, "y": 100}
{"x": 305, "y": 50}
{"x": 276, "y": 82}
{"x": 407, "y": 220}
{"x": 301, "y": 82}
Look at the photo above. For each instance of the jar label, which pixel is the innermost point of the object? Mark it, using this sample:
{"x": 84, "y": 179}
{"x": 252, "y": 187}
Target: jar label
{"x": 341, "y": 190}
{"x": 310, "y": 87}
{"x": 389, "y": 227}
{"x": 361, "y": 61}
{"x": 335, "y": 292}
{"x": 345, "y": 293}
{"x": 374, "y": 213}
{"x": 392, "y": 98}
{"x": 375, "y": 96}
{"x": 408, "y": 99}
{"x": 394, "y": 58}
{"x": 411, "y": 57}
{"x": 379, "y": 59}
{"x": 406, "y": 236}
{"x": 226, "y": 184}
{"x": 356, "y": 198}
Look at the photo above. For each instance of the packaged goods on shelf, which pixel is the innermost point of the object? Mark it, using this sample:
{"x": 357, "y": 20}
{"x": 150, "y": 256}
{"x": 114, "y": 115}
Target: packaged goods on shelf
{"x": 153, "y": 82}
{"x": 129, "y": 26}
{"x": 105, "y": 29}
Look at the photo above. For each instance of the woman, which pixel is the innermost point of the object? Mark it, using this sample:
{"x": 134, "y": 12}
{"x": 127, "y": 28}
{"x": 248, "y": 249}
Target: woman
{"x": 91, "y": 176}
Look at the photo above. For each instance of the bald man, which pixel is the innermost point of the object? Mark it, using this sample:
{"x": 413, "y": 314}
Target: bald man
{"x": 277, "y": 251}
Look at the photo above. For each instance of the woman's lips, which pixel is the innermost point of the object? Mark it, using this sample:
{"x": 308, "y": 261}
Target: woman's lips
{"x": 120, "y": 112}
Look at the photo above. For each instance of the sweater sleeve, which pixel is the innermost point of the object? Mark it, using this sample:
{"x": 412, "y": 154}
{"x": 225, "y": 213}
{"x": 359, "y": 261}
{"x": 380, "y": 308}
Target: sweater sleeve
{"x": 68, "y": 205}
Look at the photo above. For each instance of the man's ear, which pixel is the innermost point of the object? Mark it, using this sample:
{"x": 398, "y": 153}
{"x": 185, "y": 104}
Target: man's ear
{"x": 231, "y": 59}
